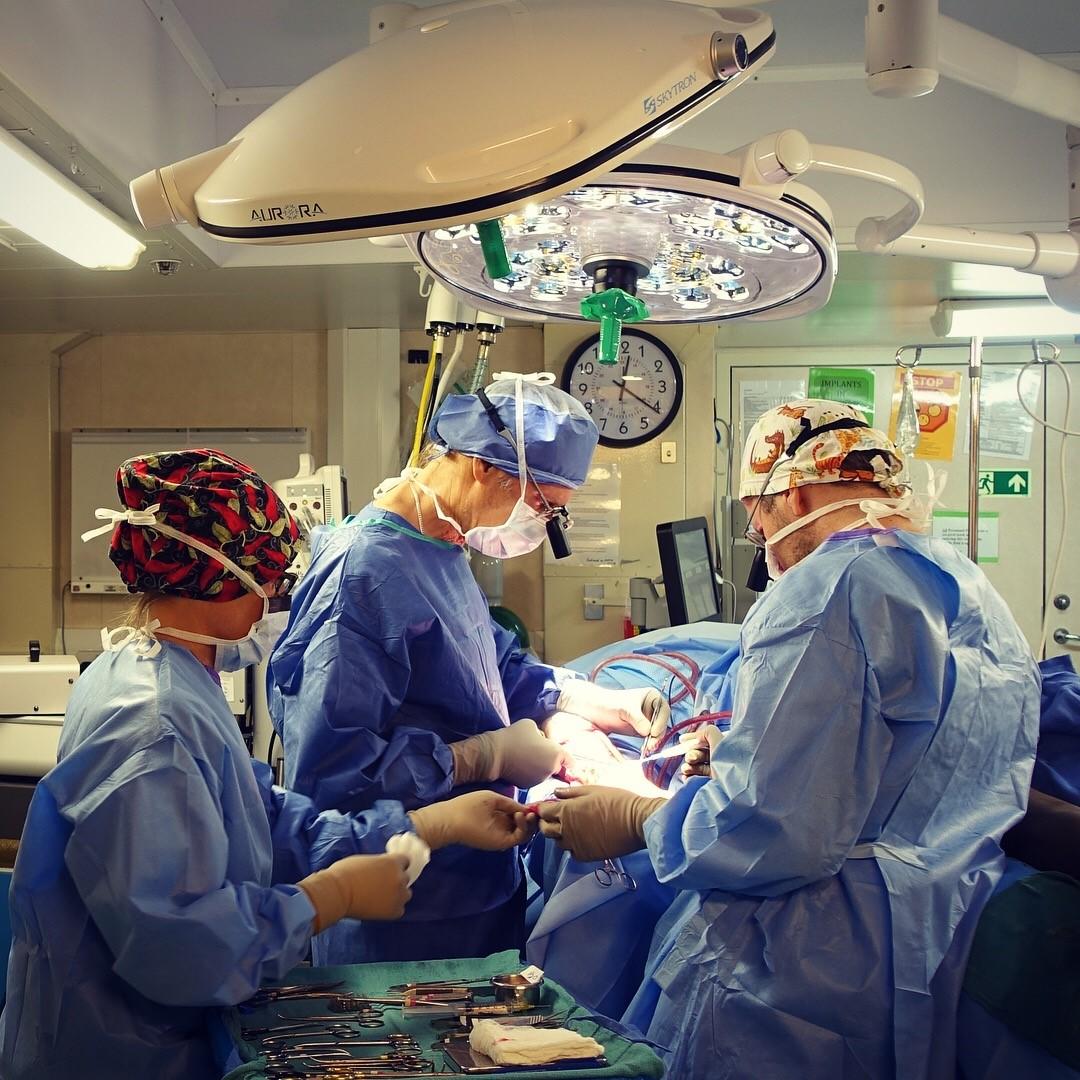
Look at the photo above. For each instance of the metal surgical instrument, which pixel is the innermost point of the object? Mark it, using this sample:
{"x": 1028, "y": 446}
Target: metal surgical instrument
{"x": 612, "y": 871}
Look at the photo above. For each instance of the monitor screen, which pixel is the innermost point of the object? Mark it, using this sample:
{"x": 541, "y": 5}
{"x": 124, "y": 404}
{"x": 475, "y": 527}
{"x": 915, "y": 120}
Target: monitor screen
{"x": 696, "y": 575}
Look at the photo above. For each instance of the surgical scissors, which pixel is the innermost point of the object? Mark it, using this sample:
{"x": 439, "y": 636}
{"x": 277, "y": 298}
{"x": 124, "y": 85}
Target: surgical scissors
{"x": 365, "y": 1018}
{"x": 611, "y": 871}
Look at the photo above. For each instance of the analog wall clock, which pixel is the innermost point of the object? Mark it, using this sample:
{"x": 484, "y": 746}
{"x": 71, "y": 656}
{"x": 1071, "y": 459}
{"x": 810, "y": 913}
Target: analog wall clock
{"x": 634, "y": 400}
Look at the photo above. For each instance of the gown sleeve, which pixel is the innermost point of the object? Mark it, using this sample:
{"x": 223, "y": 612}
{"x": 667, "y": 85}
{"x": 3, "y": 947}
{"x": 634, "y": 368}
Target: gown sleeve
{"x": 531, "y": 687}
{"x": 347, "y": 744}
{"x": 306, "y": 839}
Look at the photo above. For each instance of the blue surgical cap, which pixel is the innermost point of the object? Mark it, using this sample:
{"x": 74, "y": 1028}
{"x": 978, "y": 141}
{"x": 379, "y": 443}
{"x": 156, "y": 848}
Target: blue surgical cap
{"x": 560, "y": 436}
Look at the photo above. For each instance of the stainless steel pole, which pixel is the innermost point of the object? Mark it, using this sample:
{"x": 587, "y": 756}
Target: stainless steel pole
{"x": 974, "y": 391}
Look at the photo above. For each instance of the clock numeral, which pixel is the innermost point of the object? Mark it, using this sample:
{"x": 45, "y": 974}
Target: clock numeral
{"x": 644, "y": 423}
{"x": 624, "y": 345}
{"x": 585, "y": 369}
{"x": 583, "y": 387}
{"x": 658, "y": 364}
{"x": 641, "y": 349}
{"x": 623, "y": 429}
{"x": 663, "y": 386}
{"x": 603, "y": 422}
{"x": 588, "y": 407}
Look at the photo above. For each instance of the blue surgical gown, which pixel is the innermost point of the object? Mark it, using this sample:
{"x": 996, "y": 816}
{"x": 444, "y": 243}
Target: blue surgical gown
{"x": 885, "y": 721}
{"x": 391, "y": 655}
{"x": 150, "y": 881}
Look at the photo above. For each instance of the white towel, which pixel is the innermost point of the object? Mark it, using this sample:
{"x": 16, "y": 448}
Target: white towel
{"x": 509, "y": 1044}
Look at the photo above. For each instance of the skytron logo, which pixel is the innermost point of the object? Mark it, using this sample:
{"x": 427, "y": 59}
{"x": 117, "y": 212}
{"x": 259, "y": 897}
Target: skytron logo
{"x": 652, "y": 105}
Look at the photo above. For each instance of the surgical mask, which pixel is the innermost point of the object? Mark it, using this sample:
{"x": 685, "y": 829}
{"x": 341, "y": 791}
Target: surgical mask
{"x": 915, "y": 510}
{"x": 230, "y": 654}
{"x": 523, "y": 531}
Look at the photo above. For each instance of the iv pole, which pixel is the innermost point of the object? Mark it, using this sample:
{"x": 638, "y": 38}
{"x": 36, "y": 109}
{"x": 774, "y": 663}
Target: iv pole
{"x": 975, "y": 349}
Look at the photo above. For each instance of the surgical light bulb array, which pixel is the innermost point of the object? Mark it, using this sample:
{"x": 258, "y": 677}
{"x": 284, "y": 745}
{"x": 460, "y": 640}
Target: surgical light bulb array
{"x": 706, "y": 257}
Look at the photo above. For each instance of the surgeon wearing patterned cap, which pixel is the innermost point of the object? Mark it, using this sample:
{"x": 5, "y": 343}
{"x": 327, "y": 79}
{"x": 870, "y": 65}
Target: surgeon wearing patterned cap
{"x": 394, "y": 682}
{"x": 835, "y": 860}
{"x": 160, "y": 873}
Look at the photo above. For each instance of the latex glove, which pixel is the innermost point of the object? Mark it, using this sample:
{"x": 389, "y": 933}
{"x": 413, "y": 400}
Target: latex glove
{"x": 698, "y": 762}
{"x": 518, "y": 754}
{"x": 481, "y": 819}
{"x": 637, "y": 711}
{"x": 359, "y": 887}
{"x": 597, "y": 822}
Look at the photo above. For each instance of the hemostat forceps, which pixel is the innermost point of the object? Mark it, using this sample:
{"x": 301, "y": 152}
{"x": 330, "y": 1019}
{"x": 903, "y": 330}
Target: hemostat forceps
{"x": 611, "y": 871}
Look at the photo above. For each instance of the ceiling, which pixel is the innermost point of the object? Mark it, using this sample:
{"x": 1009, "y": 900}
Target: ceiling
{"x": 196, "y": 71}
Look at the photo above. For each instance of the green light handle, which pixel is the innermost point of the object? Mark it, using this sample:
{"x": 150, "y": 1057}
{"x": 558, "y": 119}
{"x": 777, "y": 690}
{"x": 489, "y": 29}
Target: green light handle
{"x": 491, "y": 244}
{"x": 611, "y": 308}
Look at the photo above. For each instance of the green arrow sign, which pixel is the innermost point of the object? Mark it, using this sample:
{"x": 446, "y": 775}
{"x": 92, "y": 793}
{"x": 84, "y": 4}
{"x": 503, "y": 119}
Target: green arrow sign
{"x": 1015, "y": 482}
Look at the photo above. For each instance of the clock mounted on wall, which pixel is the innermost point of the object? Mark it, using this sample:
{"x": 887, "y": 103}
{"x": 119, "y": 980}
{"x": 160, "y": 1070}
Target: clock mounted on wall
{"x": 634, "y": 400}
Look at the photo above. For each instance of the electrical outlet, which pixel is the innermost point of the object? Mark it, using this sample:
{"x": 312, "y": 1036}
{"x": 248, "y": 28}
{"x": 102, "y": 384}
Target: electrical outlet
{"x": 669, "y": 453}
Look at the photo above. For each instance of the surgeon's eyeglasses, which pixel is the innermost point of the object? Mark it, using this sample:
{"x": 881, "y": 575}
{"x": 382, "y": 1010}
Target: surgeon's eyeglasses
{"x": 281, "y": 599}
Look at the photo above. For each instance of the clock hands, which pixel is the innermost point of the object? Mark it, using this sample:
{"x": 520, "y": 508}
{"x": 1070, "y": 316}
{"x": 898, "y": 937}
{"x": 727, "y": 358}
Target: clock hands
{"x": 621, "y": 382}
{"x": 624, "y": 389}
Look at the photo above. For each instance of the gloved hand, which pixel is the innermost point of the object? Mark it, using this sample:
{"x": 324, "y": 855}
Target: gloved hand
{"x": 518, "y": 754}
{"x": 637, "y": 711}
{"x": 597, "y": 822}
{"x": 481, "y": 819}
{"x": 698, "y": 762}
{"x": 358, "y": 887}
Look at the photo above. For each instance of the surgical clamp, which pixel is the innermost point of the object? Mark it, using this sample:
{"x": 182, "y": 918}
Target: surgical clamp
{"x": 610, "y": 871}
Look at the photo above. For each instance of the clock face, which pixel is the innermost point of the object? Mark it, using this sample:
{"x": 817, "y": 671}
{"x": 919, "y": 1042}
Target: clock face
{"x": 631, "y": 401}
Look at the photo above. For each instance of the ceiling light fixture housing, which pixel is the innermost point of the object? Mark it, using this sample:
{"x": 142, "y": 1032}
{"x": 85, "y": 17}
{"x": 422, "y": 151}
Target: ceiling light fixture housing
{"x": 465, "y": 113}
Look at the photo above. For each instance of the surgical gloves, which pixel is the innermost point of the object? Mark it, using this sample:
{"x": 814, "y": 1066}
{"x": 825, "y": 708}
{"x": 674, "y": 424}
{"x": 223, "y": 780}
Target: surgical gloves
{"x": 358, "y": 887}
{"x": 597, "y": 822}
{"x": 518, "y": 754}
{"x": 481, "y": 819}
{"x": 636, "y": 711}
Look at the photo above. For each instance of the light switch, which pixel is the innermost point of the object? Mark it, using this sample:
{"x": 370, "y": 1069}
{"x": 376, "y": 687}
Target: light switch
{"x": 668, "y": 453}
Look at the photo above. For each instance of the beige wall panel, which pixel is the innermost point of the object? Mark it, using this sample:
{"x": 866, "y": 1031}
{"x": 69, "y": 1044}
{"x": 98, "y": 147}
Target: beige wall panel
{"x": 28, "y": 610}
{"x": 309, "y": 389}
{"x": 197, "y": 380}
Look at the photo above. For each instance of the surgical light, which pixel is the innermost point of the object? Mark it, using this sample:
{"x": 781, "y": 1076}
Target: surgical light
{"x": 675, "y": 229}
{"x": 464, "y": 113}
{"x": 1003, "y": 319}
{"x": 39, "y": 201}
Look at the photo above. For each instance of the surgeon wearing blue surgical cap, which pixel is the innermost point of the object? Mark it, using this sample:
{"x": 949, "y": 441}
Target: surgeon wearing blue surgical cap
{"x": 393, "y": 682}
{"x": 834, "y": 862}
{"x": 161, "y": 874}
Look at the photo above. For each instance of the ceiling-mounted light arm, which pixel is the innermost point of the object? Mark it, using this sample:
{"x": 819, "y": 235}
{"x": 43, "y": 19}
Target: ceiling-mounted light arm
{"x": 770, "y": 163}
{"x": 908, "y": 43}
{"x": 861, "y": 165}
{"x": 1052, "y": 255}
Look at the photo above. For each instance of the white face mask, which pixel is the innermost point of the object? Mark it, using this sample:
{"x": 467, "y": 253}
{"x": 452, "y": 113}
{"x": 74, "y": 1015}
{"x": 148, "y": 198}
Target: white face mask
{"x": 906, "y": 506}
{"x": 523, "y": 531}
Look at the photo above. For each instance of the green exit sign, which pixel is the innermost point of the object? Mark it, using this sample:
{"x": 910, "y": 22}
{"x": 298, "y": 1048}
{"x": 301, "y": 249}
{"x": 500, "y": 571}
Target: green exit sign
{"x": 1015, "y": 482}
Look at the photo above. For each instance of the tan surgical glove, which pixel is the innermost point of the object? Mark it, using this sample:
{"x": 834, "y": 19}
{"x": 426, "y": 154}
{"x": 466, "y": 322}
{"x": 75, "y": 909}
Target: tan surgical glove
{"x": 359, "y": 887}
{"x": 597, "y": 822}
{"x": 637, "y": 711}
{"x": 698, "y": 761}
{"x": 481, "y": 819}
{"x": 518, "y": 754}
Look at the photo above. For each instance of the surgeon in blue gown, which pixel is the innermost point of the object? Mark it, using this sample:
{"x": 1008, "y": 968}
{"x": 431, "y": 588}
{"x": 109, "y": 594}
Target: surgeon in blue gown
{"x": 160, "y": 873}
{"x": 834, "y": 866}
{"x": 392, "y": 681}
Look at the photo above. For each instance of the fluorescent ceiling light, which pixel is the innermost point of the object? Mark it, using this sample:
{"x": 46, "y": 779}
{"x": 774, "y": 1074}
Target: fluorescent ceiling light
{"x": 1004, "y": 319}
{"x": 39, "y": 201}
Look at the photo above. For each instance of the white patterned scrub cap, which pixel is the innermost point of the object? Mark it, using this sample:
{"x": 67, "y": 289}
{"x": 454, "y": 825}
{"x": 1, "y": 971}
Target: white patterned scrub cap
{"x": 812, "y": 441}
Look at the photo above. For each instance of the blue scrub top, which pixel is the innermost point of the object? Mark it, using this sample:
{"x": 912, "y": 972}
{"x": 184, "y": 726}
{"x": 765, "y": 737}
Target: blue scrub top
{"x": 885, "y": 721}
{"x": 390, "y": 656}
{"x": 150, "y": 884}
